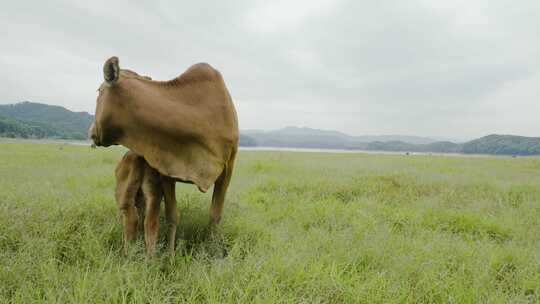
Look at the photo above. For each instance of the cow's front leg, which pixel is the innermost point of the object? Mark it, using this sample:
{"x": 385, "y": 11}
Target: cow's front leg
{"x": 220, "y": 189}
{"x": 171, "y": 213}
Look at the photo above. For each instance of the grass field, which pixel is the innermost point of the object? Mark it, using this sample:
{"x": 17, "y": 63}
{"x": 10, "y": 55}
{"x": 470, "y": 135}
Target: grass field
{"x": 297, "y": 228}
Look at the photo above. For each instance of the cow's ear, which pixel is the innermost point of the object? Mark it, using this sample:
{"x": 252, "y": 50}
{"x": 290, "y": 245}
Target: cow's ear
{"x": 111, "y": 71}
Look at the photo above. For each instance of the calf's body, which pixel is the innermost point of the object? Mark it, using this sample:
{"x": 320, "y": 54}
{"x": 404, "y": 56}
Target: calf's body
{"x": 139, "y": 186}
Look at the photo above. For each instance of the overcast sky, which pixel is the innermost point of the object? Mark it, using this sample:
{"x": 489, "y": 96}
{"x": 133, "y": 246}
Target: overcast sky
{"x": 447, "y": 69}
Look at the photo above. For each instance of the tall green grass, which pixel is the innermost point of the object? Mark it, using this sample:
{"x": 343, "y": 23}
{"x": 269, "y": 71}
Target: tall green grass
{"x": 297, "y": 228}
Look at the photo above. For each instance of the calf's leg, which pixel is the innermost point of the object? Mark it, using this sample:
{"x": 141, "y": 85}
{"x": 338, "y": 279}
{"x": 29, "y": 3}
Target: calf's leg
{"x": 129, "y": 221}
{"x": 128, "y": 180}
{"x": 152, "y": 191}
{"x": 171, "y": 213}
{"x": 141, "y": 209}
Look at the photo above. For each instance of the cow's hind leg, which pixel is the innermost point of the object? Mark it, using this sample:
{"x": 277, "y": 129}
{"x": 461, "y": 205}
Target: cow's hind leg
{"x": 152, "y": 191}
{"x": 171, "y": 213}
{"x": 220, "y": 190}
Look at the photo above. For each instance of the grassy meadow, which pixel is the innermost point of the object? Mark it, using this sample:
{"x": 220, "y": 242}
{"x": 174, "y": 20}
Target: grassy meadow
{"x": 297, "y": 228}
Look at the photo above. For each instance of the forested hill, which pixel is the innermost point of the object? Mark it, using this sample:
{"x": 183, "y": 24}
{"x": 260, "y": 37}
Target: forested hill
{"x": 503, "y": 144}
{"x": 35, "y": 120}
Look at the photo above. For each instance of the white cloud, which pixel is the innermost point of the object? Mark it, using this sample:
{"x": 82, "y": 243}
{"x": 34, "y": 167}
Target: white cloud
{"x": 431, "y": 68}
{"x": 283, "y": 15}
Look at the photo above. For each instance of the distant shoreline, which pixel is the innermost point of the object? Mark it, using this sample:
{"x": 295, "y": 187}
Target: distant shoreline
{"x": 276, "y": 149}
{"x": 343, "y": 151}
{"x": 45, "y": 141}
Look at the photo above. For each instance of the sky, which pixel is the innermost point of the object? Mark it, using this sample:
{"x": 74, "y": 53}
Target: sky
{"x": 443, "y": 69}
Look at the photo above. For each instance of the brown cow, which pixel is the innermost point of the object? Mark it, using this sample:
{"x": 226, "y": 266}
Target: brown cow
{"x": 186, "y": 129}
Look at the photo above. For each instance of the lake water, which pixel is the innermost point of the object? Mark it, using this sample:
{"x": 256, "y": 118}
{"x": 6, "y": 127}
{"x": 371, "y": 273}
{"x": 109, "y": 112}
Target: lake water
{"x": 367, "y": 152}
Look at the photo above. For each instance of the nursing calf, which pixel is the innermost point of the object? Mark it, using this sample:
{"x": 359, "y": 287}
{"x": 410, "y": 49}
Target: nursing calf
{"x": 139, "y": 186}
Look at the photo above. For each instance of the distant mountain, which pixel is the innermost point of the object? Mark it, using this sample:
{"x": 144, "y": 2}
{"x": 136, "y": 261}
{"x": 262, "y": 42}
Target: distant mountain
{"x": 294, "y": 137}
{"x": 313, "y": 138}
{"x": 503, "y": 144}
{"x": 247, "y": 141}
{"x": 36, "y": 120}
{"x": 300, "y": 138}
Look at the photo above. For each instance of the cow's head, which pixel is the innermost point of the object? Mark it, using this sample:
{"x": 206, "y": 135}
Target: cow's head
{"x": 105, "y": 130}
